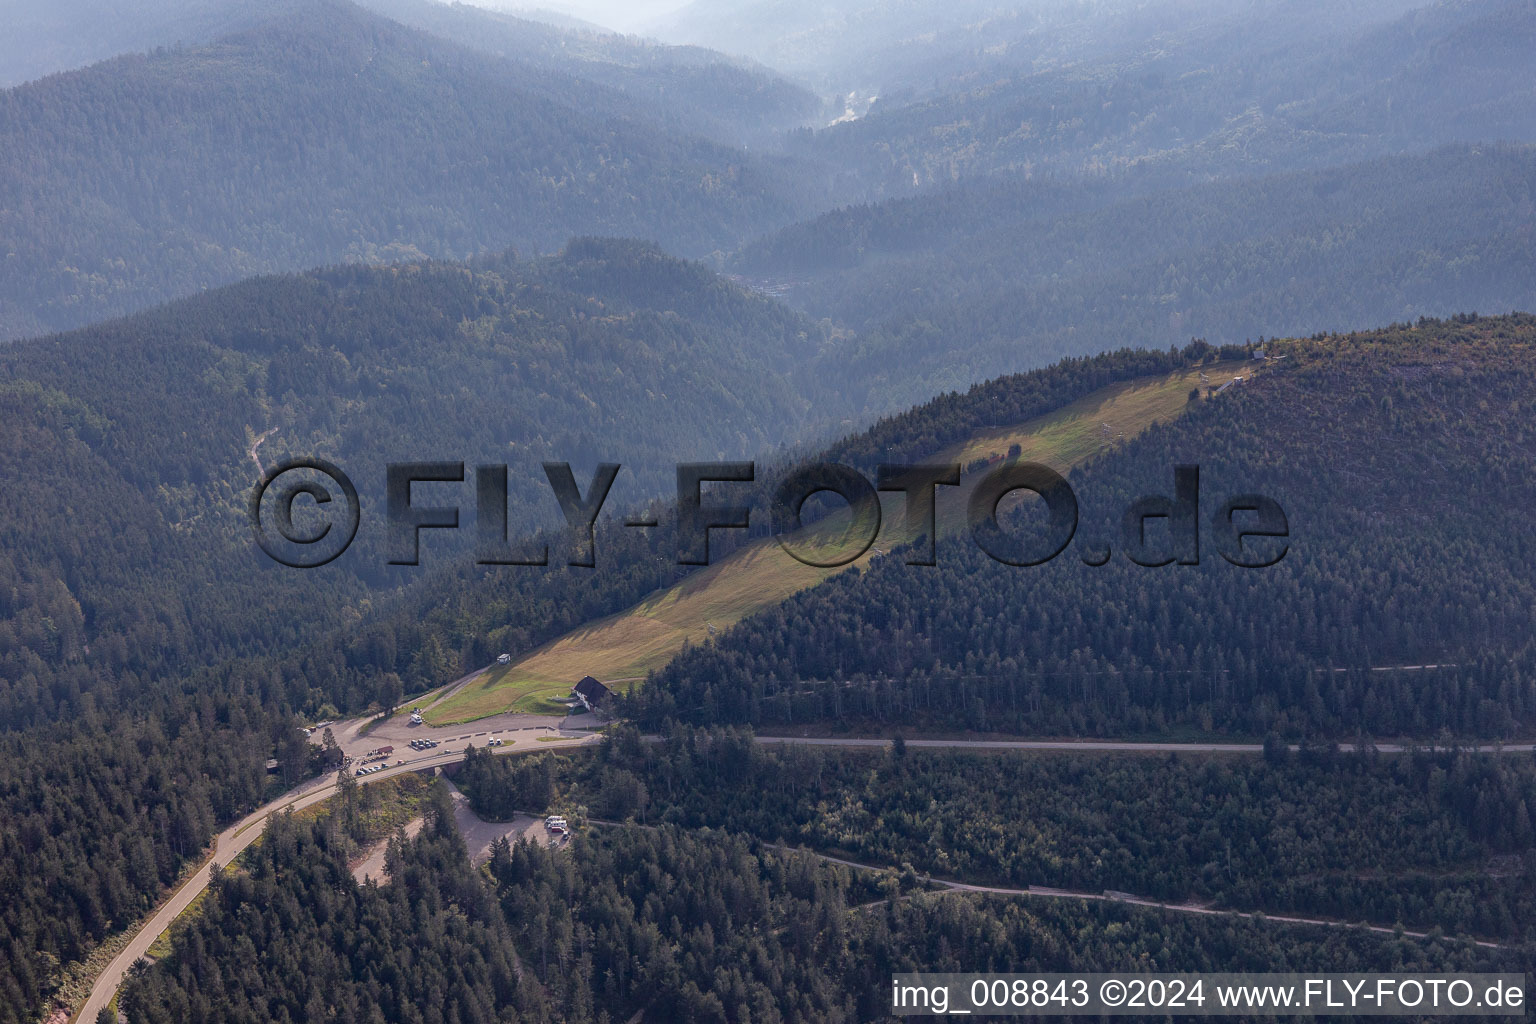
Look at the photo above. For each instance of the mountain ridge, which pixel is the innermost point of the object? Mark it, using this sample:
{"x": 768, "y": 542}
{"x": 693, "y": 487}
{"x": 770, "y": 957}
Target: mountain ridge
{"x": 338, "y": 135}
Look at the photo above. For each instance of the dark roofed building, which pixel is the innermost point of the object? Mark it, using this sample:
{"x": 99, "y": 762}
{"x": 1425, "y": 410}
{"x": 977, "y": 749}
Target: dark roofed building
{"x": 591, "y": 693}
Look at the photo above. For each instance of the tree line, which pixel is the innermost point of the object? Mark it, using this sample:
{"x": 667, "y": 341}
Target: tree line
{"x": 1428, "y": 840}
{"x": 670, "y": 924}
{"x": 1391, "y": 454}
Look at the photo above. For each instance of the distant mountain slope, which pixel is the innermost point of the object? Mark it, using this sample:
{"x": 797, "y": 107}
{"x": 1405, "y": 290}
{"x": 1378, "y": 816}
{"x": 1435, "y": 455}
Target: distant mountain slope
{"x": 813, "y": 38}
{"x": 47, "y": 36}
{"x": 128, "y": 552}
{"x": 906, "y": 47}
{"x": 1403, "y": 605}
{"x": 1001, "y": 275}
{"x": 1206, "y": 96}
{"x": 326, "y": 136}
{"x": 688, "y": 86}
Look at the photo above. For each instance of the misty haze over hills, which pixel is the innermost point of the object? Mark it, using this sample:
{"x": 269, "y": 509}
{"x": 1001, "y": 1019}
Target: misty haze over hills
{"x": 1200, "y": 104}
{"x": 967, "y": 283}
{"x": 329, "y": 134}
{"x": 1108, "y": 236}
{"x": 321, "y": 132}
{"x": 910, "y": 47}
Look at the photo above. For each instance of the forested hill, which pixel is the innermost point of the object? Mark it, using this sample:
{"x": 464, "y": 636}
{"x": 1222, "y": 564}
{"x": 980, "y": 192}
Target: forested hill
{"x": 1401, "y": 458}
{"x": 1201, "y": 95}
{"x": 331, "y": 134}
{"x": 970, "y": 282}
{"x": 682, "y": 924}
{"x": 128, "y": 552}
{"x": 897, "y": 50}
{"x": 151, "y": 660}
{"x": 687, "y": 85}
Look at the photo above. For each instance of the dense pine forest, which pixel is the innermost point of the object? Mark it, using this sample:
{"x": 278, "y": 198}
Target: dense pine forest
{"x": 667, "y": 924}
{"x": 1393, "y": 612}
{"x": 1431, "y": 840}
{"x": 960, "y": 284}
{"x": 405, "y": 230}
{"x": 687, "y": 87}
{"x": 909, "y": 53}
{"x": 460, "y": 618}
{"x": 456, "y": 619}
{"x": 1215, "y": 91}
{"x": 102, "y": 815}
{"x": 150, "y": 665}
{"x": 145, "y": 489}
{"x": 1386, "y": 383}
{"x": 356, "y": 142}
{"x": 153, "y": 571}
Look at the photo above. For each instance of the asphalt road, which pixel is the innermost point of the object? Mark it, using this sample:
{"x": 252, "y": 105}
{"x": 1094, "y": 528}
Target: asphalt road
{"x": 243, "y": 833}
{"x": 524, "y": 737}
{"x": 357, "y": 736}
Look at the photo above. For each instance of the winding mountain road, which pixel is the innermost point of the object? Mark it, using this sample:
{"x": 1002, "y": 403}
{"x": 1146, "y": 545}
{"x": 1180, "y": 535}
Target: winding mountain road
{"x": 237, "y": 837}
{"x": 243, "y": 833}
{"x": 260, "y": 471}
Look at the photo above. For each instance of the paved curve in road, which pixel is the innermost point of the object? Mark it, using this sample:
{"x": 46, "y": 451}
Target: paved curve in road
{"x": 242, "y": 834}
